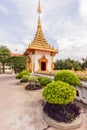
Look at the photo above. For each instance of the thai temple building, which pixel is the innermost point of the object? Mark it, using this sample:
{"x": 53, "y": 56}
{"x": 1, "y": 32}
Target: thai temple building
{"x": 40, "y": 53}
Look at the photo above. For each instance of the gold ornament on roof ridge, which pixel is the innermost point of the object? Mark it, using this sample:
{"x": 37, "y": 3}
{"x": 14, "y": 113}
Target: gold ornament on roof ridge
{"x": 39, "y": 8}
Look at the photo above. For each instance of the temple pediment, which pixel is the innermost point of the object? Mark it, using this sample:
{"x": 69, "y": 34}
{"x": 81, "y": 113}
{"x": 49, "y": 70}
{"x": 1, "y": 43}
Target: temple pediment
{"x": 43, "y": 58}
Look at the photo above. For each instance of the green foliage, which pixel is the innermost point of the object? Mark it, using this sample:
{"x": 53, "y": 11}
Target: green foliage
{"x": 67, "y": 64}
{"x": 21, "y": 74}
{"x": 18, "y": 63}
{"x": 39, "y": 78}
{"x": 45, "y": 80}
{"x": 25, "y": 78}
{"x": 59, "y": 92}
{"x": 33, "y": 79}
{"x": 4, "y": 55}
{"x": 58, "y": 65}
{"x": 18, "y": 76}
{"x": 77, "y": 65}
{"x": 68, "y": 77}
{"x": 84, "y": 64}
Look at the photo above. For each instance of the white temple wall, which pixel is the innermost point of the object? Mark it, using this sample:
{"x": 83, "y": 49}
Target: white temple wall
{"x": 38, "y": 55}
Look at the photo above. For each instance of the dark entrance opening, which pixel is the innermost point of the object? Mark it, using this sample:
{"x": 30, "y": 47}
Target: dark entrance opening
{"x": 43, "y": 66}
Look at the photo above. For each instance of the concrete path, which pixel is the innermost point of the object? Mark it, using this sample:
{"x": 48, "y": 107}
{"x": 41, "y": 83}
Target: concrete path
{"x": 21, "y": 109}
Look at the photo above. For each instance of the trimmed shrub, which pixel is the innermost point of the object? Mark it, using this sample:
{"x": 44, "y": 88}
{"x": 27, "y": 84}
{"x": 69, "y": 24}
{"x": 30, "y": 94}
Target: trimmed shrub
{"x": 59, "y": 92}
{"x": 62, "y": 113}
{"x": 68, "y": 77}
{"x": 24, "y": 72}
{"x": 33, "y": 79}
{"x": 18, "y": 76}
{"x": 45, "y": 80}
{"x": 39, "y": 78}
{"x": 25, "y": 78}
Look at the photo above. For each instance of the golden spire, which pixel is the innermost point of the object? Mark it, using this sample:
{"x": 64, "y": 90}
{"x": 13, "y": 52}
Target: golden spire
{"x": 39, "y": 8}
{"x": 39, "y": 42}
{"x": 39, "y": 11}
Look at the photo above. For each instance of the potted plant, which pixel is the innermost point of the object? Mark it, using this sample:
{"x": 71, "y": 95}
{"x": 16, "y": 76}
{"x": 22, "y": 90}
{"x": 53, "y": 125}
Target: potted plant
{"x": 59, "y": 96}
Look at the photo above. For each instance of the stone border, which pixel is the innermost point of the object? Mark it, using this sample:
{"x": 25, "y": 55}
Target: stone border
{"x": 63, "y": 126}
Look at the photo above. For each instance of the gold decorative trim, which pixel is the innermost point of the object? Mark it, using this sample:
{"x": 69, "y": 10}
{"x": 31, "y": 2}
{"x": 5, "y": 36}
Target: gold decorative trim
{"x": 42, "y": 59}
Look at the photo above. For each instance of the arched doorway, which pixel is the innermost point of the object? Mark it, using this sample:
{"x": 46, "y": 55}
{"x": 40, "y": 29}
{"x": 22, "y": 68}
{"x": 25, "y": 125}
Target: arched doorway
{"x": 43, "y": 66}
{"x": 43, "y": 63}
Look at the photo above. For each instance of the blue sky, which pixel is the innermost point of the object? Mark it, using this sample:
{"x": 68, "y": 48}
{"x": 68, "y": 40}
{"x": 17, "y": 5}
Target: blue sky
{"x": 64, "y": 23}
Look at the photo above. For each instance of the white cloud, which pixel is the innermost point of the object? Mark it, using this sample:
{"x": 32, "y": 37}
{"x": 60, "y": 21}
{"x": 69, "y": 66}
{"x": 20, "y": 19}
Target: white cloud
{"x": 11, "y": 41}
{"x": 83, "y": 8}
{"x": 6, "y": 36}
{"x": 69, "y": 33}
{"x": 71, "y": 39}
{"x": 3, "y": 9}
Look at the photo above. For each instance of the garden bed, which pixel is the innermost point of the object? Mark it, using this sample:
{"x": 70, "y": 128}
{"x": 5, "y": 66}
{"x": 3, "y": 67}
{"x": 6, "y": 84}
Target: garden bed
{"x": 62, "y": 113}
{"x": 63, "y": 126}
{"x": 33, "y": 86}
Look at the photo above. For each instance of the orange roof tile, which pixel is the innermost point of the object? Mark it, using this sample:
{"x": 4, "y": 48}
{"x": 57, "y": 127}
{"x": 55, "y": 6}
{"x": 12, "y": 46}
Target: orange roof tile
{"x": 14, "y": 54}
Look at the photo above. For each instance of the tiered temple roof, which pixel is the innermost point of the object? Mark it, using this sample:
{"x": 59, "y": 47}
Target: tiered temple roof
{"x": 39, "y": 42}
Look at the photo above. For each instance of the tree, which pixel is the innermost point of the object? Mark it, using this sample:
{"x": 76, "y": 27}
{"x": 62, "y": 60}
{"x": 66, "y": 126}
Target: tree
{"x": 67, "y": 64}
{"x": 18, "y": 63}
{"x": 4, "y": 55}
{"x": 59, "y": 65}
{"x": 84, "y": 64}
{"x": 77, "y": 65}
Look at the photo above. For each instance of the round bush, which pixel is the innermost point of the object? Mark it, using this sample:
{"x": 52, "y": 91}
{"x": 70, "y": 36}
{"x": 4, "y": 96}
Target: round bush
{"x": 24, "y": 72}
{"x": 59, "y": 92}
{"x": 18, "y": 76}
{"x": 39, "y": 78}
{"x": 25, "y": 78}
{"x": 68, "y": 77}
{"x": 45, "y": 80}
{"x": 33, "y": 79}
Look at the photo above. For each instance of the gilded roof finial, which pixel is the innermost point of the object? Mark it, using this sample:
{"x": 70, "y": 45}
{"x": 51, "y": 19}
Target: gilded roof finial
{"x": 39, "y": 11}
{"x": 39, "y": 8}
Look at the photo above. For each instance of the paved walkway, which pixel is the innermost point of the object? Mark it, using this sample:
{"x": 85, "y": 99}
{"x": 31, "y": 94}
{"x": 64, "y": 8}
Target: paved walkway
{"x": 21, "y": 109}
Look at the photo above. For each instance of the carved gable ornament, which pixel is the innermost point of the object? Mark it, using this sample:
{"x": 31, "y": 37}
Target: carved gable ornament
{"x": 43, "y": 59}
